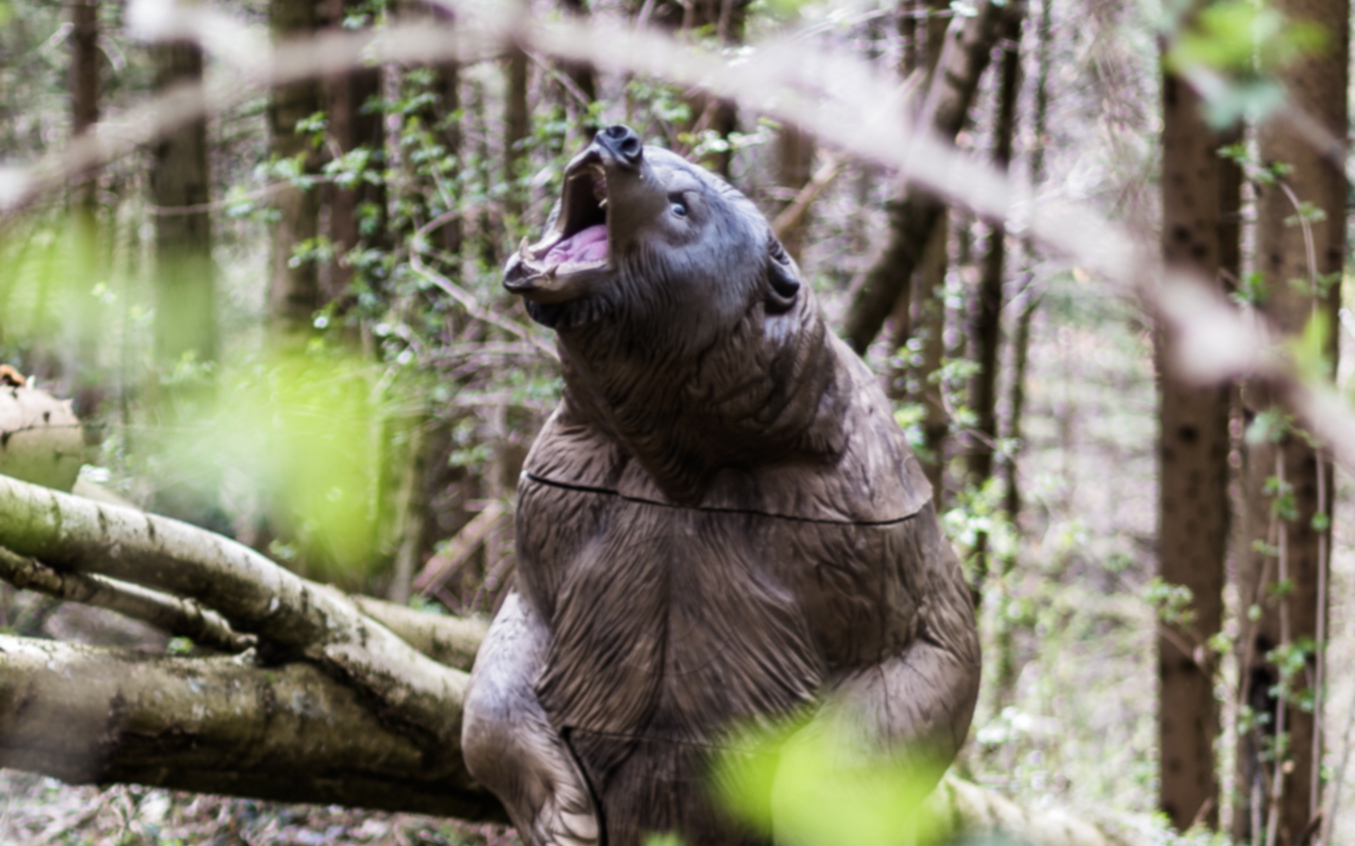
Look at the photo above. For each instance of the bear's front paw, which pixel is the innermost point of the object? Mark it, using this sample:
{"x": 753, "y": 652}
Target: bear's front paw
{"x": 566, "y": 818}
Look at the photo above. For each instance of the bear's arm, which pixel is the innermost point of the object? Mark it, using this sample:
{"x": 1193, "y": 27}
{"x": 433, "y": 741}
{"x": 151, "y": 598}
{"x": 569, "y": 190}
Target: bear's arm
{"x": 510, "y": 745}
{"x": 916, "y": 703}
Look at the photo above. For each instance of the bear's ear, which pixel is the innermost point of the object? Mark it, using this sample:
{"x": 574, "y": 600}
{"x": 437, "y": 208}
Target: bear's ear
{"x": 783, "y": 278}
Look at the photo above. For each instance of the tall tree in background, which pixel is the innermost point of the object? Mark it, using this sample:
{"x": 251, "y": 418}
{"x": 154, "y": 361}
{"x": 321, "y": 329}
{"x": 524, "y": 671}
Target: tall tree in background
{"x": 795, "y": 163}
{"x": 357, "y": 212}
{"x": 582, "y": 75}
{"x": 1200, "y": 200}
{"x": 986, "y": 330}
{"x": 964, "y": 56}
{"x": 1024, "y": 307}
{"x": 180, "y": 183}
{"x": 294, "y": 289}
{"x": 85, "y": 62}
{"x": 928, "y": 278}
{"x": 185, "y": 291}
{"x": 1287, "y": 483}
{"x": 517, "y": 127}
{"x": 84, "y": 85}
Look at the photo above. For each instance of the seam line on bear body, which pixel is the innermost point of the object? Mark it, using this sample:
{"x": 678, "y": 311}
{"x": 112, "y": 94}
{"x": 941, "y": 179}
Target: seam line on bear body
{"x": 572, "y": 486}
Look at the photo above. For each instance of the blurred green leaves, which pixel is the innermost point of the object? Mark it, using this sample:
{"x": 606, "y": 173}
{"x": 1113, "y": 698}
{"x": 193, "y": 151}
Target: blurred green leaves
{"x": 1232, "y": 50}
{"x": 814, "y": 783}
{"x": 304, "y": 430}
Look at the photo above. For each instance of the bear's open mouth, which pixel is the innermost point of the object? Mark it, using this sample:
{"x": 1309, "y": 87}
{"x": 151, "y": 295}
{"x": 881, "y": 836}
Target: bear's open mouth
{"x": 579, "y": 239}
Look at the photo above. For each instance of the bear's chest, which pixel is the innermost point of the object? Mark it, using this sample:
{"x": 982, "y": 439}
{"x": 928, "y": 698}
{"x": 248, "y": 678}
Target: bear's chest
{"x": 676, "y": 621}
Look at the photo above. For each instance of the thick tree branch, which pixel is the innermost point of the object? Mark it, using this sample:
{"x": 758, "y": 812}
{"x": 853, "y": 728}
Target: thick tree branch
{"x": 291, "y": 616}
{"x": 219, "y": 725}
{"x": 182, "y": 618}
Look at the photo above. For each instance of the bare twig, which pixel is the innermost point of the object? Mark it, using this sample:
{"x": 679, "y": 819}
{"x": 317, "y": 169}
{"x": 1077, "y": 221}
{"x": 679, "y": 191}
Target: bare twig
{"x": 823, "y": 177}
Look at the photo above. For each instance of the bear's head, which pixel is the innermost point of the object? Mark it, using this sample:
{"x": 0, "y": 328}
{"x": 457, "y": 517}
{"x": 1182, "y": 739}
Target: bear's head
{"x": 683, "y": 326}
{"x": 645, "y": 240}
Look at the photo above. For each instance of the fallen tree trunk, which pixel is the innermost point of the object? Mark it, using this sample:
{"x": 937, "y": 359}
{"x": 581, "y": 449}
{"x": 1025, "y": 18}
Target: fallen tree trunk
{"x": 345, "y": 700}
{"x": 220, "y": 725}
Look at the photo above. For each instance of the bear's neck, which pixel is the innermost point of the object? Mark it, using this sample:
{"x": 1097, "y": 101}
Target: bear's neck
{"x": 769, "y": 391}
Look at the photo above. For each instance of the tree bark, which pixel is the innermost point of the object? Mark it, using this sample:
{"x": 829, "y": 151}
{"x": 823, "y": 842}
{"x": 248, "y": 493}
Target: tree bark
{"x": 1302, "y": 281}
{"x": 185, "y": 277}
{"x": 921, "y": 313}
{"x": 517, "y": 128}
{"x": 581, "y": 74}
{"x": 81, "y": 352}
{"x": 357, "y": 213}
{"x": 931, "y": 327}
{"x": 795, "y": 162}
{"x": 84, "y": 84}
{"x": 294, "y": 285}
{"x": 1200, "y": 201}
{"x": 967, "y": 51}
{"x": 986, "y": 329}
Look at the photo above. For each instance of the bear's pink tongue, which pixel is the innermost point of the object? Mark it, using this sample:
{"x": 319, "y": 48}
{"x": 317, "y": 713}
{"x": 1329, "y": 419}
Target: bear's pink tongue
{"x": 585, "y": 246}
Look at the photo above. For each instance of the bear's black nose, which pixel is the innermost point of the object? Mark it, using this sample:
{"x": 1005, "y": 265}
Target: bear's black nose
{"x": 623, "y": 142}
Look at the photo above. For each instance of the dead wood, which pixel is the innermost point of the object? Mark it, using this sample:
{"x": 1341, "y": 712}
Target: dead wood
{"x": 293, "y": 618}
{"x": 40, "y": 437}
{"x": 181, "y": 618}
{"x": 220, "y": 725}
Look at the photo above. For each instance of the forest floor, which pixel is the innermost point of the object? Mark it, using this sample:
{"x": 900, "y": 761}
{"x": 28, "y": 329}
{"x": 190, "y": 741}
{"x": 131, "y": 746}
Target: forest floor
{"x": 36, "y": 811}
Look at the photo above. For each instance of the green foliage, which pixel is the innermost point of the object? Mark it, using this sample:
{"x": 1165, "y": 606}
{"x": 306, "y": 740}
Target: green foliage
{"x": 1243, "y": 44}
{"x": 818, "y": 784}
{"x": 1312, "y": 350}
{"x": 304, "y": 430}
{"x": 1172, "y": 602}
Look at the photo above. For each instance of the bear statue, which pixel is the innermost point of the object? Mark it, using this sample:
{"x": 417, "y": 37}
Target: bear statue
{"x": 721, "y": 524}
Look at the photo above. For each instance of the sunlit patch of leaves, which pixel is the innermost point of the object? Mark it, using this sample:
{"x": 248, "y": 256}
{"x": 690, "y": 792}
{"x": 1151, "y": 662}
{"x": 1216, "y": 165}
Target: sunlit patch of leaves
{"x": 1245, "y": 44}
{"x": 815, "y": 783}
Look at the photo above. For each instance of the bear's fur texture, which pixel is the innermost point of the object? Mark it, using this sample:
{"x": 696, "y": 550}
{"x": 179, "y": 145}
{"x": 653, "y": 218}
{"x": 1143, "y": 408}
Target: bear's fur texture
{"x": 721, "y": 523}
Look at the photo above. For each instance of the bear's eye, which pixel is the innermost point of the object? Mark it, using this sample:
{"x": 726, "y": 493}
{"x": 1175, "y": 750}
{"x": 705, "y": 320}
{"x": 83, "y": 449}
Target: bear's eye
{"x": 679, "y": 206}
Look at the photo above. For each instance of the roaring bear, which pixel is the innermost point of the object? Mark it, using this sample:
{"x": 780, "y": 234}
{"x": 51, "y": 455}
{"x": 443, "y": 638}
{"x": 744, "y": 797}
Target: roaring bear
{"x": 720, "y": 524}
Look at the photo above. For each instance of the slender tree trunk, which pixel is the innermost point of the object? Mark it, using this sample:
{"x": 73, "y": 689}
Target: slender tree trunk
{"x": 583, "y": 77}
{"x": 447, "y": 81}
{"x": 795, "y": 163}
{"x": 1200, "y": 200}
{"x": 968, "y": 48}
{"x": 81, "y": 356}
{"x": 488, "y": 228}
{"x": 180, "y": 182}
{"x": 928, "y": 313}
{"x": 1007, "y": 668}
{"x": 294, "y": 292}
{"x": 517, "y": 128}
{"x": 357, "y": 214}
{"x": 185, "y": 327}
{"x": 986, "y": 329}
{"x": 931, "y": 323}
{"x": 84, "y": 85}
{"x": 1287, "y": 482}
